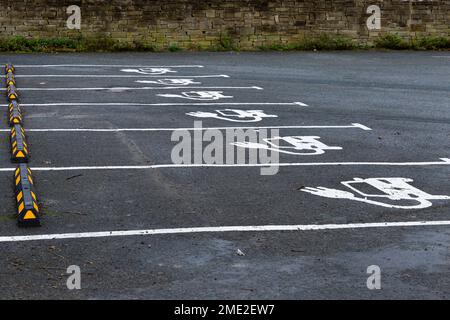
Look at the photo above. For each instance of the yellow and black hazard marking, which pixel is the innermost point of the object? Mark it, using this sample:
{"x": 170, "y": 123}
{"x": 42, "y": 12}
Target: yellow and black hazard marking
{"x": 12, "y": 93}
{"x": 15, "y": 113}
{"x": 27, "y": 203}
{"x": 10, "y": 79}
{"x": 9, "y": 68}
{"x": 19, "y": 146}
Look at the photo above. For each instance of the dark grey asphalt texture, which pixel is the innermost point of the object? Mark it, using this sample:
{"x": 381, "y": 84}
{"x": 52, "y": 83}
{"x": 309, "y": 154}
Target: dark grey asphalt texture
{"x": 404, "y": 97}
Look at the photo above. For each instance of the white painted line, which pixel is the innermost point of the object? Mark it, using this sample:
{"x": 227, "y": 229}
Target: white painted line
{"x": 446, "y": 57}
{"x": 444, "y": 161}
{"x": 102, "y": 65}
{"x": 353, "y": 126}
{"x": 361, "y": 126}
{"x": 115, "y": 76}
{"x": 137, "y": 88}
{"x": 120, "y": 104}
{"x": 263, "y": 228}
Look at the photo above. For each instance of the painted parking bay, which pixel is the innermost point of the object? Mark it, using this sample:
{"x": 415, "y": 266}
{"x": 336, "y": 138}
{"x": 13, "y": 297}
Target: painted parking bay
{"x": 407, "y": 125}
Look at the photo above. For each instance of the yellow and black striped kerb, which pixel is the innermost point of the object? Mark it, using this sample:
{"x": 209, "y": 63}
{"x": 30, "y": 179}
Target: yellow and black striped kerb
{"x": 15, "y": 114}
{"x": 10, "y": 79}
{"x": 19, "y": 146}
{"x": 12, "y": 93}
{"x": 27, "y": 203}
{"x": 9, "y": 68}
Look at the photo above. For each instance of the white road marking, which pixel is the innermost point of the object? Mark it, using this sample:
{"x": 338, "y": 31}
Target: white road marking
{"x": 198, "y": 95}
{"x": 361, "y": 126}
{"x": 93, "y": 104}
{"x": 387, "y": 191}
{"x": 294, "y": 145}
{"x": 171, "y": 82}
{"x": 353, "y": 125}
{"x": 150, "y": 71}
{"x": 263, "y": 228}
{"x": 233, "y": 115}
{"x": 443, "y": 162}
{"x": 115, "y": 76}
{"x": 101, "y": 65}
{"x": 136, "y": 88}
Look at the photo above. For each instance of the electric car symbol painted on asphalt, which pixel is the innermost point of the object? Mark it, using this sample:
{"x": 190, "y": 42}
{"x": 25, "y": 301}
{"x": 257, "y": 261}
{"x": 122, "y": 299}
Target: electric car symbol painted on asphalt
{"x": 387, "y": 192}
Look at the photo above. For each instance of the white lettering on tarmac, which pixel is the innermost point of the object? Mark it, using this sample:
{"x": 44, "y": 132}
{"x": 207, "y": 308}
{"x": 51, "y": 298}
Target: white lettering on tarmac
{"x": 296, "y": 145}
{"x": 233, "y": 115}
{"x": 387, "y": 189}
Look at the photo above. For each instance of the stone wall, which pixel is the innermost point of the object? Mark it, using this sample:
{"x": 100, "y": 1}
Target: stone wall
{"x": 204, "y": 23}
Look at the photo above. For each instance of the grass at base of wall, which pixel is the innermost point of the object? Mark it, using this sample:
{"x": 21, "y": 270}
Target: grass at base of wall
{"x": 387, "y": 41}
{"x": 321, "y": 42}
{"x": 26, "y": 45}
{"x": 395, "y": 42}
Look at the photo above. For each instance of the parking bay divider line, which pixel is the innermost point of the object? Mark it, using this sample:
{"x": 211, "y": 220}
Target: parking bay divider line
{"x": 443, "y": 162}
{"x": 352, "y": 126}
{"x": 104, "y": 66}
{"x": 145, "y": 88}
{"x": 167, "y": 104}
{"x": 117, "y": 76}
{"x": 221, "y": 229}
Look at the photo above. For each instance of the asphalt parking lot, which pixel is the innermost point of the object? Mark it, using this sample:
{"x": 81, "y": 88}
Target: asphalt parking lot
{"x": 139, "y": 226}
